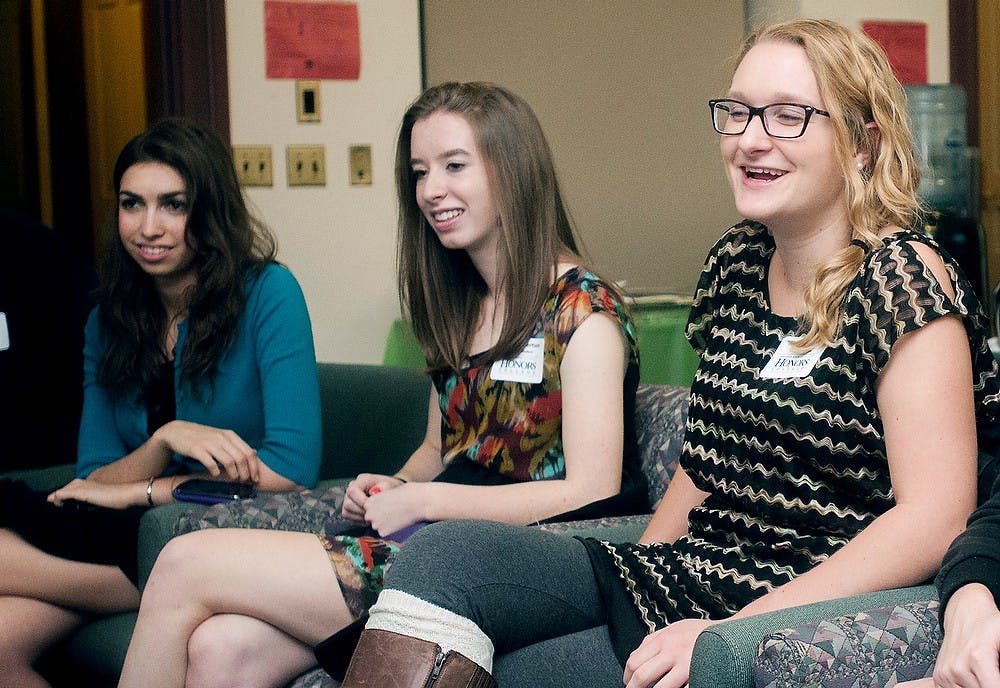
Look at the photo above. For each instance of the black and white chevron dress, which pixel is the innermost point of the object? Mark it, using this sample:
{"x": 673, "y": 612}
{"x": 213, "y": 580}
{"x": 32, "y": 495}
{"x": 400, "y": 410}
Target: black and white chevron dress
{"x": 795, "y": 467}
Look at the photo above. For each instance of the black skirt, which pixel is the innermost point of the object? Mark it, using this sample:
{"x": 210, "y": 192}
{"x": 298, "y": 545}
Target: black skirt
{"x": 76, "y": 531}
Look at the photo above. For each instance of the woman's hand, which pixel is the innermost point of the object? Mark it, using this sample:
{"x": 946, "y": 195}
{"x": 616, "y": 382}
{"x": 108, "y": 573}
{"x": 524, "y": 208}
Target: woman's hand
{"x": 663, "y": 658}
{"x": 392, "y": 510}
{"x": 360, "y": 489}
{"x": 221, "y": 452}
{"x": 111, "y": 495}
{"x": 970, "y": 653}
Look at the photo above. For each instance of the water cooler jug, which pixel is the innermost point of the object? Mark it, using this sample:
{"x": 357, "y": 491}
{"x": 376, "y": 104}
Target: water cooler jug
{"x": 949, "y": 177}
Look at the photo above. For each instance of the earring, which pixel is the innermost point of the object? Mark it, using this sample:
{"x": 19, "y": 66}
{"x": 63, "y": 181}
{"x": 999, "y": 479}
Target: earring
{"x": 860, "y": 165}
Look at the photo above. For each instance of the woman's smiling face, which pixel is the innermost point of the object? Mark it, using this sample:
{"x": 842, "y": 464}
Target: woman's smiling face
{"x": 153, "y": 211}
{"x": 452, "y": 184}
{"x": 783, "y": 180}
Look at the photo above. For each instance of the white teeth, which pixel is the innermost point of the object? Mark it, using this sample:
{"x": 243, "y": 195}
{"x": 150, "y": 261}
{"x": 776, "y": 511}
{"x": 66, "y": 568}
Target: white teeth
{"x": 155, "y": 250}
{"x": 764, "y": 170}
{"x": 447, "y": 215}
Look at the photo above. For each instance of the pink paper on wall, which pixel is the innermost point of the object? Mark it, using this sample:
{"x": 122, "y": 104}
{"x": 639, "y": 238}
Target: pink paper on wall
{"x": 312, "y": 40}
{"x": 905, "y": 44}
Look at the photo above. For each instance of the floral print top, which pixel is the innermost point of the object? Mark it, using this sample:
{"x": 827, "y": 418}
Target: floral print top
{"x": 507, "y": 416}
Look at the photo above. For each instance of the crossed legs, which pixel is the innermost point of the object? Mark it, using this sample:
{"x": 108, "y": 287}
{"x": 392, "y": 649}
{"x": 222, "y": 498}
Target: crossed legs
{"x": 234, "y": 607}
{"x": 43, "y": 597}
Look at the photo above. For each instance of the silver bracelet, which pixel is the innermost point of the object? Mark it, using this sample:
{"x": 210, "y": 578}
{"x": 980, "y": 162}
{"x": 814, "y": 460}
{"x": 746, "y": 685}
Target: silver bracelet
{"x": 149, "y": 491}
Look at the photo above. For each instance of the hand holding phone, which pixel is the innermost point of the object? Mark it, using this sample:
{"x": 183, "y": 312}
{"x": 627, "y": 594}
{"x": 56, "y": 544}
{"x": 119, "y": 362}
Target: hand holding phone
{"x": 213, "y": 491}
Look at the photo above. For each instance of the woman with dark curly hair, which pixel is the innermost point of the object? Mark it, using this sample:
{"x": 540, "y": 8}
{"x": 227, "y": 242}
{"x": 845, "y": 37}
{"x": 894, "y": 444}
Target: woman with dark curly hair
{"x": 198, "y": 361}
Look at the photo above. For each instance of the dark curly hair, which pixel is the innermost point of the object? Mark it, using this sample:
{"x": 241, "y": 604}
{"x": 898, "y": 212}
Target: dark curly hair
{"x": 231, "y": 245}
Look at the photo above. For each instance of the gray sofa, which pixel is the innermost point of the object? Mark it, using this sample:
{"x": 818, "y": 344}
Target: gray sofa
{"x": 373, "y": 416}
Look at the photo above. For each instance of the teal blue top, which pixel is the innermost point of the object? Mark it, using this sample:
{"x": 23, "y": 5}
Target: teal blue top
{"x": 266, "y": 389}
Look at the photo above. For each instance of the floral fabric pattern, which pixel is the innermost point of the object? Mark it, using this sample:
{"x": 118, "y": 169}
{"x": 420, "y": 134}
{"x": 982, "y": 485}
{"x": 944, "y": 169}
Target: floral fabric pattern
{"x": 515, "y": 428}
{"x": 360, "y": 563}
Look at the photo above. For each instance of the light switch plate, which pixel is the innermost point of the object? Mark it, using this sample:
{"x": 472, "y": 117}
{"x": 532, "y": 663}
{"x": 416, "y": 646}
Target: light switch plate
{"x": 306, "y": 165}
{"x": 307, "y": 101}
{"x": 253, "y": 165}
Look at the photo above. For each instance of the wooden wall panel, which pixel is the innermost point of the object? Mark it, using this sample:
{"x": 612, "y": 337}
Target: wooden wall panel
{"x": 989, "y": 130}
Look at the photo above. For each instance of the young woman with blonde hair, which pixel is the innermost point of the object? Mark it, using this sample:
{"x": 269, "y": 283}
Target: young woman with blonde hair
{"x": 831, "y": 439}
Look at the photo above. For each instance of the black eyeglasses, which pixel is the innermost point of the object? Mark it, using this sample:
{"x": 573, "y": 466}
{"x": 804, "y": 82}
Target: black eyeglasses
{"x": 781, "y": 120}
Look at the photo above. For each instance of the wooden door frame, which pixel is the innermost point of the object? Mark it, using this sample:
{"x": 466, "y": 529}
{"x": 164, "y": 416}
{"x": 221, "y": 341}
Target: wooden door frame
{"x": 988, "y": 100}
{"x": 975, "y": 60}
{"x": 187, "y": 64}
{"x": 963, "y": 58}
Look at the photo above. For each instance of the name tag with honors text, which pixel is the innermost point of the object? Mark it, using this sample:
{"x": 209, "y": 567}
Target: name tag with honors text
{"x": 529, "y": 366}
{"x": 788, "y": 362}
{"x": 4, "y": 333}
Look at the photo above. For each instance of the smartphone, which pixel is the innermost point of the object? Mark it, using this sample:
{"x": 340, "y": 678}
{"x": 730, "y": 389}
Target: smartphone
{"x": 213, "y": 491}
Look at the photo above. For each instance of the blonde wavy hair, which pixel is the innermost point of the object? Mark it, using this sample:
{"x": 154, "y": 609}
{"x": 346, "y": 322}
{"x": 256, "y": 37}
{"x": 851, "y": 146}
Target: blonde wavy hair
{"x": 859, "y": 90}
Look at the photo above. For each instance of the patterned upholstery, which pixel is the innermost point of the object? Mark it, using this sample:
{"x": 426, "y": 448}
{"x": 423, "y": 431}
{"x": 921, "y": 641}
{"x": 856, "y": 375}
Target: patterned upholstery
{"x": 660, "y": 416}
{"x": 303, "y": 511}
{"x": 314, "y": 678}
{"x": 874, "y": 649}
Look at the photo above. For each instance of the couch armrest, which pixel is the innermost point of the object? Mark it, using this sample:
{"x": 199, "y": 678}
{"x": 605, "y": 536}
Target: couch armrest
{"x": 612, "y": 529}
{"x": 44, "y": 479}
{"x": 878, "y": 648}
{"x": 724, "y": 654}
{"x": 158, "y": 525}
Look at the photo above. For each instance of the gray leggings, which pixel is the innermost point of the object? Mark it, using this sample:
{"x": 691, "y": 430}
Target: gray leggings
{"x": 533, "y": 593}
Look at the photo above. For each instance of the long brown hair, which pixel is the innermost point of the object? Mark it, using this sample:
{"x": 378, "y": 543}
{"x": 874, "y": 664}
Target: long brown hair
{"x": 230, "y": 244}
{"x": 440, "y": 289}
{"x": 859, "y": 89}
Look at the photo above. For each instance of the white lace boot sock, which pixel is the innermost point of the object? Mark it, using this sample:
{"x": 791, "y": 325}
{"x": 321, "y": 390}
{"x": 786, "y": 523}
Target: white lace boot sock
{"x": 403, "y": 613}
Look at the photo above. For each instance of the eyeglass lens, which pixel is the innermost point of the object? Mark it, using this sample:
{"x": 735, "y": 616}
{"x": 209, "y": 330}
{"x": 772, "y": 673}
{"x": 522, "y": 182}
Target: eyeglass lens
{"x": 782, "y": 120}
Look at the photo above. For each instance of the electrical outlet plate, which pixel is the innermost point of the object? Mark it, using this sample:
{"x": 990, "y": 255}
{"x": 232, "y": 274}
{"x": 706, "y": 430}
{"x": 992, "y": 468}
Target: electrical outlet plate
{"x": 360, "y": 158}
{"x": 306, "y": 165}
{"x": 253, "y": 165}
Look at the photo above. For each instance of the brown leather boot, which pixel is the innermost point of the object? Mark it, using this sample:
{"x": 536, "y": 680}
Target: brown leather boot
{"x": 385, "y": 659}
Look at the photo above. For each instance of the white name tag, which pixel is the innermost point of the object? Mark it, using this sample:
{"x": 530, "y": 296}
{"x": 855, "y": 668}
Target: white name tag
{"x": 4, "y": 333}
{"x": 529, "y": 366}
{"x": 788, "y": 362}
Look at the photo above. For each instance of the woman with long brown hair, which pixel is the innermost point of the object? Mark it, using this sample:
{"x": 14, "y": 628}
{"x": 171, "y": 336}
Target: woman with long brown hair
{"x": 534, "y": 369}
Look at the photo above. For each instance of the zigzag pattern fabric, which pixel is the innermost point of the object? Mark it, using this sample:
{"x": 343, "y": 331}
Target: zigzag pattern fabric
{"x": 795, "y": 466}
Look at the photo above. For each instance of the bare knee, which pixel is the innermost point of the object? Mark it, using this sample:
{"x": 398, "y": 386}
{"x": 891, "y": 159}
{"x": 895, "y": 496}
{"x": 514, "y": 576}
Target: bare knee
{"x": 27, "y": 628}
{"x": 16, "y": 655}
{"x": 235, "y": 651}
{"x": 213, "y": 658}
{"x": 220, "y": 656}
{"x": 177, "y": 571}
